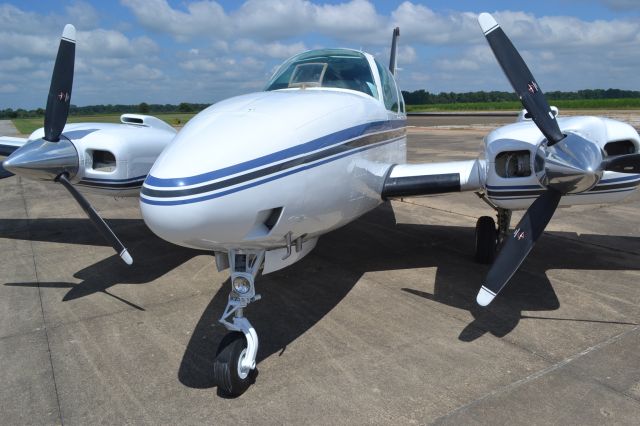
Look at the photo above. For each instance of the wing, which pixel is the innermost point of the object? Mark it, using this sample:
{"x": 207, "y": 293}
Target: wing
{"x": 406, "y": 180}
{"x": 9, "y": 144}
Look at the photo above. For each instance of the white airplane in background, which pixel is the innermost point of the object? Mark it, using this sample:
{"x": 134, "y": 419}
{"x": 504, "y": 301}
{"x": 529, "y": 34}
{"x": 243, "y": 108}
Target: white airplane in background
{"x": 258, "y": 178}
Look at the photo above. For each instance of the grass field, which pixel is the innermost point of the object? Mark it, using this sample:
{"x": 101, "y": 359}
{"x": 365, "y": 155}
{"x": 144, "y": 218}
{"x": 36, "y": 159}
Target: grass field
{"x": 28, "y": 125}
{"x": 633, "y": 103}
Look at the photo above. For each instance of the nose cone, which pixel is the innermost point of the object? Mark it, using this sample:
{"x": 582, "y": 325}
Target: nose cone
{"x": 573, "y": 165}
{"x": 43, "y": 160}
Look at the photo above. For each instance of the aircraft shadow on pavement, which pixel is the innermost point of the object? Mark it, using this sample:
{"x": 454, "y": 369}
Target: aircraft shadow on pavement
{"x": 296, "y": 298}
{"x": 153, "y": 257}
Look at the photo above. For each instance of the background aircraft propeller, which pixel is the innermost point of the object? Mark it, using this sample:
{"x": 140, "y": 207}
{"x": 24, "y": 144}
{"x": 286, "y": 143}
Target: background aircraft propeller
{"x": 51, "y": 158}
{"x": 572, "y": 163}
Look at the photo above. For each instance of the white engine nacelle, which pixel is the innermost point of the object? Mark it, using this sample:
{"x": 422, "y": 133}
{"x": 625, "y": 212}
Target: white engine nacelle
{"x": 115, "y": 159}
{"x": 525, "y": 116}
{"x": 515, "y": 167}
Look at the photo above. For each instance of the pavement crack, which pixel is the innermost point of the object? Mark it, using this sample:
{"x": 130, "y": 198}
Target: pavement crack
{"x": 44, "y": 320}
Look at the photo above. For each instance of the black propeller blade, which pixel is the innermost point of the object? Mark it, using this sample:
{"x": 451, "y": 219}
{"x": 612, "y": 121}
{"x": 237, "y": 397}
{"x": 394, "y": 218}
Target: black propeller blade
{"x": 518, "y": 245}
{"x": 521, "y": 79}
{"x": 59, "y": 99}
{"x": 629, "y": 163}
{"x": 99, "y": 223}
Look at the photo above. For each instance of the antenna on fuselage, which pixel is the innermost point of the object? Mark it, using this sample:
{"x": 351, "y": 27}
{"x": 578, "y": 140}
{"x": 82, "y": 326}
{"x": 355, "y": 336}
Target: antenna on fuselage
{"x": 394, "y": 44}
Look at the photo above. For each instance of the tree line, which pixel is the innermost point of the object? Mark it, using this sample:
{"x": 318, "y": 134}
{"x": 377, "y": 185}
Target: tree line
{"x": 142, "y": 108}
{"x": 418, "y": 97}
{"x": 422, "y": 97}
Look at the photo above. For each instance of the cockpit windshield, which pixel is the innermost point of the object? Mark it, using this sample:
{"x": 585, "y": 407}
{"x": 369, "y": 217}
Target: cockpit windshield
{"x": 340, "y": 68}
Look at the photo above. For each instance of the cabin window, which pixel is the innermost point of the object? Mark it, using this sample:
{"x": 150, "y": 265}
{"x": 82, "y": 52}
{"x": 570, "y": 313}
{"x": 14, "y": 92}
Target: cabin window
{"x": 389, "y": 88}
{"x": 339, "y": 68}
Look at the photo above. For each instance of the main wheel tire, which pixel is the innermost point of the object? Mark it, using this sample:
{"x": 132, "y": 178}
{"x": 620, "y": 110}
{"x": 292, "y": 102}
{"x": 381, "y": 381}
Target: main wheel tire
{"x": 486, "y": 239}
{"x": 231, "y": 381}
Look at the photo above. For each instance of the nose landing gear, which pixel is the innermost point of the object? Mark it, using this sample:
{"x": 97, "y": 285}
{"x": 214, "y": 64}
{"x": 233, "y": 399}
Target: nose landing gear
{"x": 235, "y": 365}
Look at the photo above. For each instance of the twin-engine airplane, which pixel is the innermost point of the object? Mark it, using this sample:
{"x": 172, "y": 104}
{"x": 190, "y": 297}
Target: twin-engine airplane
{"x": 257, "y": 178}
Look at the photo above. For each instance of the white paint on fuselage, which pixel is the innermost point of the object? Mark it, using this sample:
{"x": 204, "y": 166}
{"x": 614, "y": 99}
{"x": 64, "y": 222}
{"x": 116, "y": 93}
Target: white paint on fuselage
{"x": 316, "y": 197}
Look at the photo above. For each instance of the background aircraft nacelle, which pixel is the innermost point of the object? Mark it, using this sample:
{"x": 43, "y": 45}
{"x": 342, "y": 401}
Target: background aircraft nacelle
{"x": 517, "y": 167}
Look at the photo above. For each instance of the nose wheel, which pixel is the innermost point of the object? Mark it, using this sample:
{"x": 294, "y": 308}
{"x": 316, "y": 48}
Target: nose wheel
{"x": 232, "y": 377}
{"x": 235, "y": 364}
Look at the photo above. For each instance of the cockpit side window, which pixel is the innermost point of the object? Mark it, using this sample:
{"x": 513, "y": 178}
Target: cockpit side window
{"x": 326, "y": 68}
{"x": 389, "y": 88}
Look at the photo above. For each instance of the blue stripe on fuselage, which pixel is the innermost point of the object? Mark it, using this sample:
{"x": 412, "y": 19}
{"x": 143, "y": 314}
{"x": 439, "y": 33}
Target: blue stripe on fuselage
{"x": 322, "y": 142}
{"x": 259, "y": 182}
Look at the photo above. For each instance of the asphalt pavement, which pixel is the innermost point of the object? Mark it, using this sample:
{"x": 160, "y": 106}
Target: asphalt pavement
{"x": 378, "y": 325}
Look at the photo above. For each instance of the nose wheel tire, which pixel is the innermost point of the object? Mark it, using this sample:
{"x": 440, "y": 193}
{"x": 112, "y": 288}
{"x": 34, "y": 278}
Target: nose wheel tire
{"x": 231, "y": 378}
{"x": 486, "y": 239}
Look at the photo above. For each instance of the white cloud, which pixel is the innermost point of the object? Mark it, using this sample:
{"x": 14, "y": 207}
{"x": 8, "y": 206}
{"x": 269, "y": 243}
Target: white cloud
{"x": 173, "y": 51}
{"x": 273, "y": 50}
{"x": 110, "y": 43}
{"x": 421, "y": 24}
{"x": 143, "y": 72}
{"x": 200, "y": 17}
{"x": 82, "y": 15}
{"x": 202, "y": 64}
{"x": 18, "y": 63}
{"x": 8, "y": 88}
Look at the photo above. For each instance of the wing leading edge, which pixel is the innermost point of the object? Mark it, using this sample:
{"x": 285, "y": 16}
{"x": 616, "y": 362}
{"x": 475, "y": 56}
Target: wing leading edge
{"x": 9, "y": 144}
{"x": 407, "y": 180}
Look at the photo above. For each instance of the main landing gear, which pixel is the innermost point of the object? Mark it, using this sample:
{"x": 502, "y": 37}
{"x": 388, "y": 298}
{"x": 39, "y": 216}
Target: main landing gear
{"x": 488, "y": 237}
{"x": 235, "y": 365}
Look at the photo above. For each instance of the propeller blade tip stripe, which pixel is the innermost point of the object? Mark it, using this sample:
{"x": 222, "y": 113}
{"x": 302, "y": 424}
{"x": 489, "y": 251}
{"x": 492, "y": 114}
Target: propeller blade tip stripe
{"x": 487, "y": 23}
{"x": 485, "y": 296}
{"x": 69, "y": 33}
{"x": 126, "y": 257}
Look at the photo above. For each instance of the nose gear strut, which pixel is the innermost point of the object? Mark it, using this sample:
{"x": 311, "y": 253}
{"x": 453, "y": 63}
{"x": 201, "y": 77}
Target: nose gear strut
{"x": 235, "y": 363}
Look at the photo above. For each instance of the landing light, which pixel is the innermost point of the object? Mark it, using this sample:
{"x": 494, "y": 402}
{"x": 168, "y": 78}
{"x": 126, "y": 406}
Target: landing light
{"x": 241, "y": 285}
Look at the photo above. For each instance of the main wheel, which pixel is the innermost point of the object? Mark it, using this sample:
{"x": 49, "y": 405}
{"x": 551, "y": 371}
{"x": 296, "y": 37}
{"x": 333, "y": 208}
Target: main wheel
{"x": 486, "y": 239}
{"x": 232, "y": 380}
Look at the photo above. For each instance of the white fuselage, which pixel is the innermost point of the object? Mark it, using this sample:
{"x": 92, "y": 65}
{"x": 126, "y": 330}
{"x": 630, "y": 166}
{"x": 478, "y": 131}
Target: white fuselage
{"x": 246, "y": 172}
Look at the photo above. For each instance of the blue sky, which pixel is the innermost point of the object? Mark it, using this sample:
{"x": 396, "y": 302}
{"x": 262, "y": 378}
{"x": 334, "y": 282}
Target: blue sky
{"x": 161, "y": 51}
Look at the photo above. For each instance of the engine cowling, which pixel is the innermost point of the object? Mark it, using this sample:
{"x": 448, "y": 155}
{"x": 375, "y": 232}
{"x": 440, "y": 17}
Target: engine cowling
{"x": 108, "y": 158}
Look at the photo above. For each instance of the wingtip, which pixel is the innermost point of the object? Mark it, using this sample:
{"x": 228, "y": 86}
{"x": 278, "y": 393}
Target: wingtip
{"x": 485, "y": 296}
{"x": 487, "y": 22}
{"x": 69, "y": 33}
